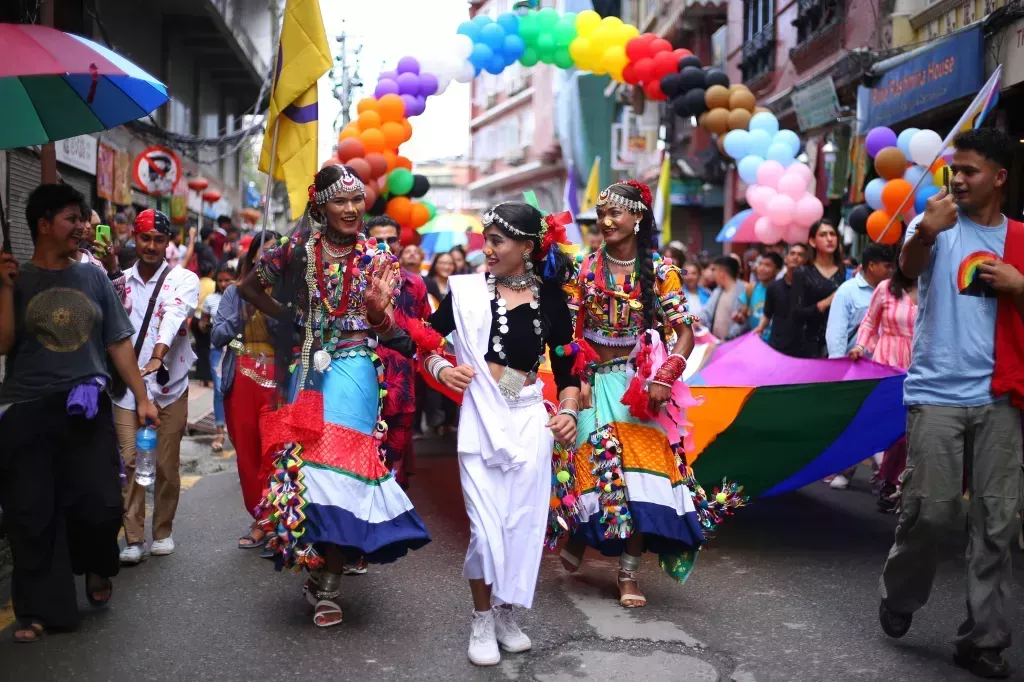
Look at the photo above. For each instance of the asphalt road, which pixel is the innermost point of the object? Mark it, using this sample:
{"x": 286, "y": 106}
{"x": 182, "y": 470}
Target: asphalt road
{"x": 786, "y": 592}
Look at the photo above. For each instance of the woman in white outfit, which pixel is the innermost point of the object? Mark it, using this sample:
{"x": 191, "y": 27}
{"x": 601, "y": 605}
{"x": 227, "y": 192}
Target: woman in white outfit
{"x": 502, "y": 321}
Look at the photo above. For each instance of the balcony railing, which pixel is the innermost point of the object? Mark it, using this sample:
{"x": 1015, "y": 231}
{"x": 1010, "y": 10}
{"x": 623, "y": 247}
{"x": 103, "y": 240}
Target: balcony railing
{"x": 759, "y": 55}
{"x": 816, "y": 18}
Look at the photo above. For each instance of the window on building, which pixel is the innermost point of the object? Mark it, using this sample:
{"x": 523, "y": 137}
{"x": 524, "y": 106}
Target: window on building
{"x": 180, "y": 118}
{"x": 758, "y": 39}
{"x": 814, "y": 17}
{"x": 526, "y": 128}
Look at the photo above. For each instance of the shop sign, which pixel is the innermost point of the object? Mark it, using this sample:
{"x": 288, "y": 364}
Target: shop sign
{"x": 122, "y": 179}
{"x": 952, "y": 69}
{"x": 156, "y": 171}
{"x": 78, "y": 152}
{"x": 1011, "y": 54}
{"x": 105, "y": 171}
{"x": 816, "y": 104}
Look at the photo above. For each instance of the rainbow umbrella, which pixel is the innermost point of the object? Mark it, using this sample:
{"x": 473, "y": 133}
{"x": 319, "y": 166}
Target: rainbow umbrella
{"x": 56, "y": 85}
{"x": 451, "y": 229}
{"x": 740, "y": 228}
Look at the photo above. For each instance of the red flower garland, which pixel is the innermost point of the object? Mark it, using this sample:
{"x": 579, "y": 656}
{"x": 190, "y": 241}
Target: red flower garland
{"x": 645, "y": 191}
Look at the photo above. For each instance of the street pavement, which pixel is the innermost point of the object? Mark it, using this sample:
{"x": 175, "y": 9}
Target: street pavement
{"x": 787, "y": 591}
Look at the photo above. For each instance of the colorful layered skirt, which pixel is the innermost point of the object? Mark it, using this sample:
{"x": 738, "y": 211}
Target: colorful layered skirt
{"x": 656, "y": 500}
{"x": 330, "y": 485}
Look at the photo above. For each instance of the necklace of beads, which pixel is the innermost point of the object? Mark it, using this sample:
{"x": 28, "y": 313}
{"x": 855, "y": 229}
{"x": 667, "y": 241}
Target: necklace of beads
{"x": 350, "y": 271}
{"x": 623, "y": 263}
{"x": 520, "y": 282}
{"x": 340, "y": 253}
{"x": 498, "y": 340}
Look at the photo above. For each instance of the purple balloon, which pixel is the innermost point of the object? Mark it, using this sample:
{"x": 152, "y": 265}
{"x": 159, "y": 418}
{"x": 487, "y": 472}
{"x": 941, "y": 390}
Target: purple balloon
{"x": 878, "y": 139}
{"x": 421, "y": 106}
{"x": 409, "y": 84}
{"x": 408, "y": 65}
{"x": 386, "y": 86}
{"x": 410, "y": 104}
{"x": 428, "y": 84}
{"x": 390, "y": 75}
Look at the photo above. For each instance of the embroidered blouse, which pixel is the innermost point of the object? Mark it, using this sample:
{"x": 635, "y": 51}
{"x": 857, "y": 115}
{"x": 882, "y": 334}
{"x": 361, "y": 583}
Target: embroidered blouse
{"x": 612, "y": 309}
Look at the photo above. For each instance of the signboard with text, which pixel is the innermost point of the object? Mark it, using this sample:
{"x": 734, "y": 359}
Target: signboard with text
{"x": 816, "y": 104}
{"x": 1011, "y": 54}
{"x": 949, "y": 71}
{"x": 78, "y": 152}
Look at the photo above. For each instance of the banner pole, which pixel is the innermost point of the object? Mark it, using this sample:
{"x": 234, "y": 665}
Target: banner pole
{"x": 270, "y": 182}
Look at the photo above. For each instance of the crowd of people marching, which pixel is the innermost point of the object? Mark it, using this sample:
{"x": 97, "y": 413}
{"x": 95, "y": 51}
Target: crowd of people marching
{"x": 330, "y": 350}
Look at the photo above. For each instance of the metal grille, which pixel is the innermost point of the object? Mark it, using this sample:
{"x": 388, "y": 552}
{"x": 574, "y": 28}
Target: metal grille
{"x": 24, "y": 171}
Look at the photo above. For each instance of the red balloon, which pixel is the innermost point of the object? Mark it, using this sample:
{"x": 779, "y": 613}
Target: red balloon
{"x": 643, "y": 70}
{"x": 361, "y": 167}
{"x": 629, "y": 74}
{"x": 378, "y": 164}
{"x": 682, "y": 52}
{"x": 639, "y": 48}
{"x": 660, "y": 45}
{"x": 653, "y": 91}
{"x": 350, "y": 148}
{"x": 664, "y": 64}
{"x": 409, "y": 236}
{"x": 371, "y": 196}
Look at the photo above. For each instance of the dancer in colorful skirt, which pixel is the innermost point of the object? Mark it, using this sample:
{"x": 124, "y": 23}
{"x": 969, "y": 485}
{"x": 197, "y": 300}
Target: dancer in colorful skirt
{"x": 330, "y": 499}
{"x": 247, "y": 382}
{"x": 502, "y": 322}
{"x": 632, "y": 480}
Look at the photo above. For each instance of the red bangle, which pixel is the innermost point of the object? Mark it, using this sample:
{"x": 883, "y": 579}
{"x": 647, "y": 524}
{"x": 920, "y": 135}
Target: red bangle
{"x": 671, "y": 370}
{"x": 384, "y": 326}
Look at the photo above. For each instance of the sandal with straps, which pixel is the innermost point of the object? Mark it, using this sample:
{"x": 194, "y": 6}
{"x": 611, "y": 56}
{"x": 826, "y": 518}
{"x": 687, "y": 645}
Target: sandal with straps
{"x": 630, "y": 601}
{"x": 571, "y": 561}
{"x": 36, "y": 628}
{"x": 325, "y": 612}
{"x": 91, "y": 592}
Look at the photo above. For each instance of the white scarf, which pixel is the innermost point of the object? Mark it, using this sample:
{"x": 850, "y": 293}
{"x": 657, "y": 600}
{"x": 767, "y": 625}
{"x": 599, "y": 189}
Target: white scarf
{"x": 485, "y": 414}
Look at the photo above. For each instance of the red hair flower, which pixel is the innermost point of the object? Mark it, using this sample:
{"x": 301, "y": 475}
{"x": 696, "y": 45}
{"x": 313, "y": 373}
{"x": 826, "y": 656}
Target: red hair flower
{"x": 554, "y": 232}
{"x": 312, "y": 192}
{"x": 645, "y": 191}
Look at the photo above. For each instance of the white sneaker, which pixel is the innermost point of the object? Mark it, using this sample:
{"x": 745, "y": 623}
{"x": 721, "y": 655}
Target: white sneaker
{"x": 508, "y": 634}
{"x": 131, "y": 555}
{"x": 162, "y": 547}
{"x": 483, "y": 646}
{"x": 840, "y": 482}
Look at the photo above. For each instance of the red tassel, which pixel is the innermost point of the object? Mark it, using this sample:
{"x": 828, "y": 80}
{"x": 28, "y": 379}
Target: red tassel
{"x": 584, "y": 356}
{"x": 426, "y": 339}
{"x": 637, "y": 400}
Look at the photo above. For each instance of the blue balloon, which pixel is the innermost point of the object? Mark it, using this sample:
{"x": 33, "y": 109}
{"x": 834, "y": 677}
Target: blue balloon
{"x": 509, "y": 22}
{"x": 493, "y": 36}
{"x": 496, "y": 65}
{"x": 514, "y": 48}
{"x": 481, "y": 55}
{"x": 915, "y": 173}
{"x": 758, "y": 142}
{"x": 788, "y": 138}
{"x": 923, "y": 195}
{"x": 766, "y": 121}
{"x": 736, "y": 143}
{"x": 873, "y": 193}
{"x": 468, "y": 28}
{"x": 481, "y": 20}
{"x": 903, "y": 140}
{"x": 780, "y": 151}
{"x": 747, "y": 168}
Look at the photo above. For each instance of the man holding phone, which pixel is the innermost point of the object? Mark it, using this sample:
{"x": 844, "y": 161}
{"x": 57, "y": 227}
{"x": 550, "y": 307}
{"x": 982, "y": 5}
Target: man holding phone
{"x": 955, "y": 248}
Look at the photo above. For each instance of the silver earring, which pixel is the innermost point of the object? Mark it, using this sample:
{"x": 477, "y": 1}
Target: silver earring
{"x": 636, "y": 228}
{"x": 529, "y": 263}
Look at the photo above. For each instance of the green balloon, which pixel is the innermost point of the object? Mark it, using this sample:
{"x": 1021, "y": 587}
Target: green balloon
{"x": 546, "y": 43}
{"x": 564, "y": 33}
{"x": 530, "y": 57}
{"x": 400, "y": 182}
{"x": 563, "y": 59}
{"x": 529, "y": 28}
{"x": 548, "y": 17}
{"x": 430, "y": 208}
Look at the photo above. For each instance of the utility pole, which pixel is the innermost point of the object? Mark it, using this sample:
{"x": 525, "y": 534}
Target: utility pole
{"x": 343, "y": 39}
{"x": 347, "y": 81}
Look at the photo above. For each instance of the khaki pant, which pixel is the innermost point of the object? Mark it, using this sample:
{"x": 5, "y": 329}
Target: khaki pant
{"x": 173, "y": 420}
{"x": 940, "y": 441}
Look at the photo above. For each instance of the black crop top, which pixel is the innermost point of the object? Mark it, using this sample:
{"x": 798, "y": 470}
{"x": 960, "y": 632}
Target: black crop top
{"x": 522, "y": 345}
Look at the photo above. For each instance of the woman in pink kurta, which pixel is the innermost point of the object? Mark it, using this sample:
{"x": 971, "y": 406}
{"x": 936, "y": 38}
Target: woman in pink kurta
{"x": 887, "y": 334}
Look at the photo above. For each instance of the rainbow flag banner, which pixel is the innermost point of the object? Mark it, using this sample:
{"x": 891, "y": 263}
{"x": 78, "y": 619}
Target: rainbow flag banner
{"x": 775, "y": 423}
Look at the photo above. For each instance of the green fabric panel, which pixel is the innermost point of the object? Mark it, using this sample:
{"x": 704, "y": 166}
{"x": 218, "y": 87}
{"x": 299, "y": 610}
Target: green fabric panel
{"x": 59, "y": 108}
{"x": 595, "y": 129}
{"x": 780, "y": 430}
{"x": 21, "y": 125}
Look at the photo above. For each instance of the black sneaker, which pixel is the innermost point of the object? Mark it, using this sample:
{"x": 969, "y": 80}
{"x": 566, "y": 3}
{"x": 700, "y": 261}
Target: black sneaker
{"x": 987, "y": 663}
{"x": 894, "y": 624}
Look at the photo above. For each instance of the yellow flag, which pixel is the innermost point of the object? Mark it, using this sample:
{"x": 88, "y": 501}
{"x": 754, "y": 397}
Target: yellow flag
{"x": 663, "y": 201}
{"x": 593, "y": 187}
{"x": 303, "y": 55}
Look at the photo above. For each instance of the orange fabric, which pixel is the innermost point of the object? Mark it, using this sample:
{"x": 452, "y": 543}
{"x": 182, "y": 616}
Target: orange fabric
{"x": 719, "y": 411}
{"x": 643, "y": 448}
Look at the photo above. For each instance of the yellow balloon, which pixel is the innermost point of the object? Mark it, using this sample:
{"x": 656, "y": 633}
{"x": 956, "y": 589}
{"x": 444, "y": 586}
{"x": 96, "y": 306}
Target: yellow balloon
{"x": 612, "y": 22}
{"x": 586, "y": 22}
{"x": 614, "y": 59}
{"x": 627, "y": 33}
{"x": 937, "y": 175}
{"x": 579, "y": 50}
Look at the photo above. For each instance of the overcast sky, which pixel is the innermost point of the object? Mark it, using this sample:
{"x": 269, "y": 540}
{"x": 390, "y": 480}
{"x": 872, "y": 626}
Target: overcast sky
{"x": 389, "y": 30}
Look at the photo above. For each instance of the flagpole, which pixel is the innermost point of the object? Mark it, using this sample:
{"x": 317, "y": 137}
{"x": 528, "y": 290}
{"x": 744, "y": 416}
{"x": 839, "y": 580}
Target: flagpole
{"x": 270, "y": 182}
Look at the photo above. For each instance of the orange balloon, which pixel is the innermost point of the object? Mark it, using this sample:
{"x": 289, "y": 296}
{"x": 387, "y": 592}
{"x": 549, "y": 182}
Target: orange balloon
{"x": 717, "y": 121}
{"x": 890, "y": 163}
{"x": 404, "y": 163}
{"x": 419, "y": 216}
{"x": 742, "y": 99}
{"x": 349, "y": 132}
{"x": 368, "y": 120}
{"x": 373, "y": 140}
{"x": 394, "y": 133}
{"x": 391, "y": 158}
{"x": 366, "y": 104}
{"x": 717, "y": 96}
{"x": 721, "y": 145}
{"x": 738, "y": 119}
{"x": 937, "y": 166}
{"x": 400, "y": 208}
{"x": 877, "y": 222}
{"x": 408, "y": 129}
{"x": 894, "y": 194}
{"x": 758, "y": 110}
{"x": 391, "y": 108}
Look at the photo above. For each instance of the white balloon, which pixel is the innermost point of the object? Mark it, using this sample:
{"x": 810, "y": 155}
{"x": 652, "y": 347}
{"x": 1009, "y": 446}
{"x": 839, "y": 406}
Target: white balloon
{"x": 466, "y": 72}
{"x": 924, "y": 147}
{"x": 462, "y": 46}
{"x": 442, "y": 85}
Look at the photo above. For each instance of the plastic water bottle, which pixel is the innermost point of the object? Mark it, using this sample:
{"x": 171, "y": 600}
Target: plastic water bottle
{"x": 145, "y": 455}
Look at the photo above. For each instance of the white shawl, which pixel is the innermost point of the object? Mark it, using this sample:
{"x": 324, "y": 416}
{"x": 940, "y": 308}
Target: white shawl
{"x": 485, "y": 415}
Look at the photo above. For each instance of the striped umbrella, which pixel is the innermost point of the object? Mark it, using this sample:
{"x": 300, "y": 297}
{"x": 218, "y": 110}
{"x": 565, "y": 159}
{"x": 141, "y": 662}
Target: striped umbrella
{"x": 56, "y": 85}
{"x": 740, "y": 228}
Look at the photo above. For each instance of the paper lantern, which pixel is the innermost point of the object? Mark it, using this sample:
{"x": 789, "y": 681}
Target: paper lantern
{"x": 211, "y": 196}
{"x": 198, "y": 184}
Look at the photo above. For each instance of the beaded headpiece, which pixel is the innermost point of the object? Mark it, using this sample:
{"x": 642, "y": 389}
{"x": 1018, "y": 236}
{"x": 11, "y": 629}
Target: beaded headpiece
{"x": 608, "y": 196}
{"x": 492, "y": 217}
{"x": 345, "y": 183}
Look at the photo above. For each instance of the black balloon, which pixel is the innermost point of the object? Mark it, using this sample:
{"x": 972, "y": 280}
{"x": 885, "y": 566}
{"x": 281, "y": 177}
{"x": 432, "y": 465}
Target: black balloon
{"x": 420, "y": 186}
{"x": 691, "y": 77}
{"x": 858, "y": 218}
{"x": 694, "y": 100}
{"x": 379, "y": 206}
{"x": 713, "y": 76}
{"x": 679, "y": 106}
{"x": 671, "y": 85}
{"x": 690, "y": 60}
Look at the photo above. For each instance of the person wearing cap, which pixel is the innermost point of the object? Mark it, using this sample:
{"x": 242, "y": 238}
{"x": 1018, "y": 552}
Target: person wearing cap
{"x": 165, "y": 356}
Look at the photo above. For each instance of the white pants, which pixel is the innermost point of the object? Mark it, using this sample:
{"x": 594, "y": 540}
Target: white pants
{"x": 508, "y": 511}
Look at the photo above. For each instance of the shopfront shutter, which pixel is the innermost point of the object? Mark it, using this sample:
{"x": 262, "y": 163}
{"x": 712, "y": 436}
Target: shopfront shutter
{"x": 23, "y": 175}
{"x": 80, "y": 180}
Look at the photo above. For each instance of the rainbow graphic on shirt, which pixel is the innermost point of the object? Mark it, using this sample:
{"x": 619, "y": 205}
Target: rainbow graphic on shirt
{"x": 967, "y": 280}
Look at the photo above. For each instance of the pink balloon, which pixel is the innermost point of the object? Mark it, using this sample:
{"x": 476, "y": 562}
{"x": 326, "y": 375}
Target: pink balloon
{"x": 792, "y": 185}
{"x": 769, "y": 174}
{"x": 808, "y": 210}
{"x": 382, "y": 182}
{"x": 758, "y": 197}
{"x": 767, "y": 232}
{"x": 802, "y": 170}
{"x": 795, "y": 234}
{"x": 780, "y": 209}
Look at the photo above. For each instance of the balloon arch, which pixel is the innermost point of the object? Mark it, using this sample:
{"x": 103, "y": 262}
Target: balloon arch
{"x": 750, "y": 134}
